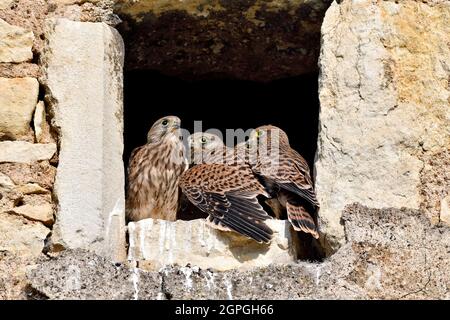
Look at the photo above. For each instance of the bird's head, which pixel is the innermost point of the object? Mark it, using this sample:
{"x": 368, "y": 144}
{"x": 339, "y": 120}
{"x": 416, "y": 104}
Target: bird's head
{"x": 204, "y": 145}
{"x": 164, "y": 127}
{"x": 267, "y": 134}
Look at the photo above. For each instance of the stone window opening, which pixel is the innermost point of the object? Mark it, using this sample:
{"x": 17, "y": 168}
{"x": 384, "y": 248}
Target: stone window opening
{"x": 150, "y": 95}
{"x": 145, "y": 68}
{"x": 207, "y": 68}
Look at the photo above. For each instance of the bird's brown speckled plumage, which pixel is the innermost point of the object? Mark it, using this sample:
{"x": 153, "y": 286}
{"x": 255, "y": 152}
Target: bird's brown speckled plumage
{"x": 228, "y": 193}
{"x": 286, "y": 173}
{"x": 154, "y": 172}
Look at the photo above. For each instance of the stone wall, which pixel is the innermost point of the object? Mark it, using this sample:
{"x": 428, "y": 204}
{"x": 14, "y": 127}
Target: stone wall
{"x": 30, "y": 139}
{"x": 384, "y": 136}
{"x": 403, "y": 257}
{"x": 384, "y": 142}
{"x": 27, "y": 155}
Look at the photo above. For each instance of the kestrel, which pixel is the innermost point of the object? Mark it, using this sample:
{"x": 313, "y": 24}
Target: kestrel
{"x": 209, "y": 148}
{"x": 286, "y": 174}
{"x": 154, "y": 173}
{"x": 226, "y": 192}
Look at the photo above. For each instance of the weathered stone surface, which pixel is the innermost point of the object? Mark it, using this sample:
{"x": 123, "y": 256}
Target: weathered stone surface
{"x": 80, "y": 274}
{"x": 41, "y": 127}
{"x": 435, "y": 183}
{"x": 66, "y": 2}
{"x": 5, "y": 4}
{"x": 18, "y": 98}
{"x": 42, "y": 213}
{"x": 400, "y": 256}
{"x": 253, "y": 40}
{"x": 13, "y": 281}
{"x": 87, "y": 58}
{"x": 377, "y": 119}
{"x": 15, "y": 43}
{"x": 88, "y": 11}
{"x": 445, "y": 210}
{"x": 41, "y": 173}
{"x": 5, "y": 181}
{"x": 20, "y": 70}
{"x": 21, "y": 236}
{"x": 31, "y": 188}
{"x": 25, "y": 152}
{"x": 31, "y": 15}
{"x": 155, "y": 243}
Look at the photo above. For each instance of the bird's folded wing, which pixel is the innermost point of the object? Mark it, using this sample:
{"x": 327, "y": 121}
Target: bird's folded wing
{"x": 238, "y": 212}
{"x": 291, "y": 173}
{"x": 304, "y": 191}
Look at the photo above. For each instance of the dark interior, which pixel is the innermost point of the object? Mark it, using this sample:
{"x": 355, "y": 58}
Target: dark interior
{"x": 291, "y": 104}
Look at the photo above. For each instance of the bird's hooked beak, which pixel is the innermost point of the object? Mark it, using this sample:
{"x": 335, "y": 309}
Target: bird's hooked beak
{"x": 175, "y": 127}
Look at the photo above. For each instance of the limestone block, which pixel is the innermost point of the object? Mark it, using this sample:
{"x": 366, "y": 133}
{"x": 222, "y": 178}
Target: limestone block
{"x": 18, "y": 98}
{"x": 42, "y": 173}
{"x": 4, "y": 4}
{"x": 42, "y": 213}
{"x": 384, "y": 99}
{"x": 156, "y": 243}
{"x": 25, "y": 152}
{"x": 15, "y": 43}
{"x": 83, "y": 68}
{"x": 31, "y": 188}
{"x": 6, "y": 182}
{"x": 21, "y": 236}
{"x": 385, "y": 261}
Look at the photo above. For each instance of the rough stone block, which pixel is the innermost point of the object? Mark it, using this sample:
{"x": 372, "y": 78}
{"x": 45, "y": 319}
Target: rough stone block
{"x": 155, "y": 243}
{"x": 386, "y": 261}
{"x": 21, "y": 236}
{"x": 385, "y": 105}
{"x": 25, "y": 152}
{"x": 5, "y": 4}
{"x": 18, "y": 98}
{"x": 83, "y": 67}
{"x": 15, "y": 43}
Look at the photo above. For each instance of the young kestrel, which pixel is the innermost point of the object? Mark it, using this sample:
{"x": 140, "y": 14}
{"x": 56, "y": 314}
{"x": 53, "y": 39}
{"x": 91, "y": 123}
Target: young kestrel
{"x": 286, "y": 174}
{"x": 226, "y": 192}
{"x": 154, "y": 173}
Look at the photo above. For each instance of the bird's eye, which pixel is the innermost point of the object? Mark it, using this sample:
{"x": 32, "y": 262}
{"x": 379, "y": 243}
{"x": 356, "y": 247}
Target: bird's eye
{"x": 203, "y": 140}
{"x": 165, "y": 122}
{"x": 259, "y": 133}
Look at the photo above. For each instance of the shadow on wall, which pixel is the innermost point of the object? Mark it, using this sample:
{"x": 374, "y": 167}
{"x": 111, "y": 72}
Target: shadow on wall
{"x": 291, "y": 104}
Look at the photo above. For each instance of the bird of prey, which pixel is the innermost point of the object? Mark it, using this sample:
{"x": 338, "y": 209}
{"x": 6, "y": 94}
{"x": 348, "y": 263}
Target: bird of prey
{"x": 227, "y": 192}
{"x": 154, "y": 173}
{"x": 286, "y": 174}
{"x": 209, "y": 148}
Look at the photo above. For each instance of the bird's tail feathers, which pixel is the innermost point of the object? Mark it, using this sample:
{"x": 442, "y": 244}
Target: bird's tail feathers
{"x": 301, "y": 220}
